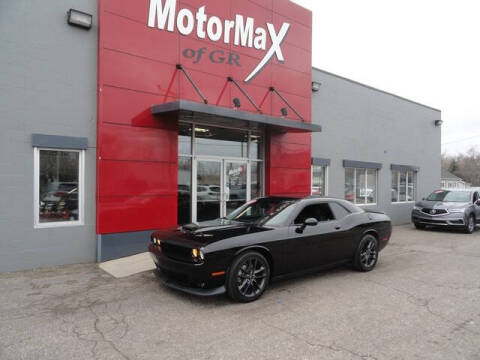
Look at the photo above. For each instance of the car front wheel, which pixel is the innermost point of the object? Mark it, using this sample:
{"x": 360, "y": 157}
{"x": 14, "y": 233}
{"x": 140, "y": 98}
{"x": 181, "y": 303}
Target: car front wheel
{"x": 470, "y": 225}
{"x": 248, "y": 277}
{"x": 366, "y": 256}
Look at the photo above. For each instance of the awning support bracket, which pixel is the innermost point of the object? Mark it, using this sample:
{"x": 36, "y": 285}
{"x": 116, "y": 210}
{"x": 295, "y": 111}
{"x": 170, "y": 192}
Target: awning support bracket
{"x": 272, "y": 89}
{"x": 231, "y": 79}
{"x": 189, "y": 78}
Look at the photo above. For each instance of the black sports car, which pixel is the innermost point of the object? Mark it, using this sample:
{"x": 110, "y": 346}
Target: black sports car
{"x": 265, "y": 239}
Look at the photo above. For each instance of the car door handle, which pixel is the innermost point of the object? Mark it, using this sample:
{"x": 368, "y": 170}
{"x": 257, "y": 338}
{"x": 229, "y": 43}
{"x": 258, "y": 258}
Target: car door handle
{"x": 338, "y": 227}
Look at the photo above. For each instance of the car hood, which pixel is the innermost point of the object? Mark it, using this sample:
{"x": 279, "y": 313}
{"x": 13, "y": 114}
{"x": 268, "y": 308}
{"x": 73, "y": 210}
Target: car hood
{"x": 442, "y": 205}
{"x": 206, "y": 232}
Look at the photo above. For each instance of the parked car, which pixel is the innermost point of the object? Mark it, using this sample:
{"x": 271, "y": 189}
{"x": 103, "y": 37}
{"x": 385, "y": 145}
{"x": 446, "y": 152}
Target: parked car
{"x": 448, "y": 208}
{"x": 265, "y": 239}
{"x": 59, "y": 205}
{"x": 208, "y": 192}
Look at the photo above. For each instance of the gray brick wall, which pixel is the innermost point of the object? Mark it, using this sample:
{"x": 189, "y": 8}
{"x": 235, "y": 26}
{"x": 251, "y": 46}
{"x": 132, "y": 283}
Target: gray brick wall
{"x": 48, "y": 73}
{"x": 365, "y": 124}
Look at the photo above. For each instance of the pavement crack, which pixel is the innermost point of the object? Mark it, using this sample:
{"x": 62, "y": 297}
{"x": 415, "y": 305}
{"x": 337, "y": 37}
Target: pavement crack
{"x": 335, "y": 347}
{"x": 103, "y": 335}
{"x": 425, "y": 303}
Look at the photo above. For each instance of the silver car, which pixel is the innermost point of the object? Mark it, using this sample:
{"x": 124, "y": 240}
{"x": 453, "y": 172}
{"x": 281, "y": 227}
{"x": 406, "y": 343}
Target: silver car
{"x": 448, "y": 208}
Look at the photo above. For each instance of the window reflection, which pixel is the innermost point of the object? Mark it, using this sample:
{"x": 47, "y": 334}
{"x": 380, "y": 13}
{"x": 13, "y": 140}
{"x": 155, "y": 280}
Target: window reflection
{"x": 184, "y": 190}
{"x": 185, "y": 139}
{"x": 208, "y": 190}
{"x": 395, "y": 193}
{"x": 255, "y": 175}
{"x": 361, "y": 185}
{"x": 371, "y": 190}
{"x": 403, "y": 186}
{"x": 318, "y": 180}
{"x": 349, "y": 184}
{"x": 58, "y": 186}
{"x": 256, "y": 146}
{"x": 221, "y": 142}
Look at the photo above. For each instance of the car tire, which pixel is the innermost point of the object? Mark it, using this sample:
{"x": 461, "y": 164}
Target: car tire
{"x": 470, "y": 225}
{"x": 419, "y": 226}
{"x": 248, "y": 277}
{"x": 366, "y": 256}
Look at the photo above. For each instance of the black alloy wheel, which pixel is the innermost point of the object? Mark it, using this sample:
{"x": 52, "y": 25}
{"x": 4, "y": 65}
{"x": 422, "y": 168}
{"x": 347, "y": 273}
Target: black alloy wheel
{"x": 470, "y": 225}
{"x": 248, "y": 277}
{"x": 366, "y": 256}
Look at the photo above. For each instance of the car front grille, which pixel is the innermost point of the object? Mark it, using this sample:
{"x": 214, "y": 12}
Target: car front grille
{"x": 177, "y": 252}
{"x": 434, "y": 211}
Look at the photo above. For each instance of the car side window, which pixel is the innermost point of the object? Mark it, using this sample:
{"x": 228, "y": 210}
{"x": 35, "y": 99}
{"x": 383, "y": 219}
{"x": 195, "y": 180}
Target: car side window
{"x": 339, "y": 211}
{"x": 475, "y": 197}
{"x": 321, "y": 212}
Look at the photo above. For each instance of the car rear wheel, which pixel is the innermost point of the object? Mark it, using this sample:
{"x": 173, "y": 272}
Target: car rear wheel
{"x": 470, "y": 225}
{"x": 248, "y": 277}
{"x": 419, "y": 226}
{"x": 366, "y": 256}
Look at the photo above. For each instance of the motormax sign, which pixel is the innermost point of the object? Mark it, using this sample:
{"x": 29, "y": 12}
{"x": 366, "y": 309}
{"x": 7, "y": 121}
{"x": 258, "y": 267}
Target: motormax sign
{"x": 241, "y": 32}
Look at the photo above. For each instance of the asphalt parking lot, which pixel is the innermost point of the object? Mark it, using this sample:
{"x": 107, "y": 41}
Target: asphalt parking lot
{"x": 421, "y": 302}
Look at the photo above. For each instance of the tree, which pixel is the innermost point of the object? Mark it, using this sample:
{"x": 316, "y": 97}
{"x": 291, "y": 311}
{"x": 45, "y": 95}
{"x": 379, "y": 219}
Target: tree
{"x": 465, "y": 166}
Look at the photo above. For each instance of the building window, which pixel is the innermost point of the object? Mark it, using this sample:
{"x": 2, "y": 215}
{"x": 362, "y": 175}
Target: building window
{"x": 403, "y": 186}
{"x": 58, "y": 187}
{"x": 319, "y": 180}
{"x": 361, "y": 185}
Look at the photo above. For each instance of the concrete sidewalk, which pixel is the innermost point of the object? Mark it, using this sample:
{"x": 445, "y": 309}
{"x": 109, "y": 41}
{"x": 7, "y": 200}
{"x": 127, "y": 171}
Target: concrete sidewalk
{"x": 128, "y": 266}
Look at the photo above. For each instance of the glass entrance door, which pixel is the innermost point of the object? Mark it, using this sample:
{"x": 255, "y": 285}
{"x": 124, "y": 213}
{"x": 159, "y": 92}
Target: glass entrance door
{"x": 221, "y": 186}
{"x": 208, "y": 190}
{"x": 219, "y": 169}
{"x": 235, "y": 185}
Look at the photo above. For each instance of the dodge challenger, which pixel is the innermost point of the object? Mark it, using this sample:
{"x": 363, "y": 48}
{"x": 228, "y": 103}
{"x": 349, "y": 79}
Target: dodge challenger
{"x": 265, "y": 239}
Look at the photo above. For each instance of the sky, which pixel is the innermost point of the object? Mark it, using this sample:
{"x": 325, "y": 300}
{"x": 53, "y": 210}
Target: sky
{"x": 427, "y": 51}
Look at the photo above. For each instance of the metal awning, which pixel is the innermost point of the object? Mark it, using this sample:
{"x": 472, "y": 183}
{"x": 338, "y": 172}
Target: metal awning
{"x": 183, "y": 110}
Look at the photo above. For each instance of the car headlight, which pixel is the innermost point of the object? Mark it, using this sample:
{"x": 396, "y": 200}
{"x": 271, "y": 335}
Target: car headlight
{"x": 453, "y": 211}
{"x": 197, "y": 254}
{"x": 156, "y": 241}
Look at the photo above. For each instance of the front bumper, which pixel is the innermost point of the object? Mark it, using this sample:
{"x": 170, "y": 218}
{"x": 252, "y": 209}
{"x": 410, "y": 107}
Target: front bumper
{"x": 451, "y": 219}
{"x": 191, "y": 278}
{"x": 190, "y": 290}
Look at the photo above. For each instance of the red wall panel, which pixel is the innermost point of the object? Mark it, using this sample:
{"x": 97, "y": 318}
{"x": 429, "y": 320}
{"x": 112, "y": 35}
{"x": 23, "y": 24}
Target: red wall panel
{"x": 137, "y": 153}
{"x": 137, "y": 178}
{"x": 149, "y": 212}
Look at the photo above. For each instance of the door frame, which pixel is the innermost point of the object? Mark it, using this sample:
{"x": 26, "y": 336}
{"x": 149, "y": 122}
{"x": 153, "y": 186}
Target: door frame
{"x": 194, "y": 158}
{"x": 222, "y": 161}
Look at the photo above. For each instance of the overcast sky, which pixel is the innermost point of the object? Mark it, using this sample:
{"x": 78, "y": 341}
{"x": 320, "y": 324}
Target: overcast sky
{"x": 425, "y": 50}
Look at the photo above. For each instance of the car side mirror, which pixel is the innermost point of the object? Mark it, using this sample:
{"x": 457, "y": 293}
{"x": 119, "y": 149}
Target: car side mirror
{"x": 311, "y": 222}
{"x": 307, "y": 222}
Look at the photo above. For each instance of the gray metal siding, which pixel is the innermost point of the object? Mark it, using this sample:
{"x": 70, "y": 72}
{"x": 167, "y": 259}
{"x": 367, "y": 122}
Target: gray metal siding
{"x": 365, "y": 124}
{"x": 48, "y": 73}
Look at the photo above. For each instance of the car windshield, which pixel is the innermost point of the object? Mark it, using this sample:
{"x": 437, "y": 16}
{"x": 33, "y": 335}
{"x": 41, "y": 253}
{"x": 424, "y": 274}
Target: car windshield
{"x": 259, "y": 209}
{"x": 449, "y": 196}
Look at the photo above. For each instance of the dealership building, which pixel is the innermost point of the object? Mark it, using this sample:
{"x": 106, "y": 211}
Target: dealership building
{"x": 119, "y": 117}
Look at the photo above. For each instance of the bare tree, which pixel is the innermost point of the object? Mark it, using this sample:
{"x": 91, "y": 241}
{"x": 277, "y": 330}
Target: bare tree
{"x": 465, "y": 166}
